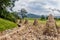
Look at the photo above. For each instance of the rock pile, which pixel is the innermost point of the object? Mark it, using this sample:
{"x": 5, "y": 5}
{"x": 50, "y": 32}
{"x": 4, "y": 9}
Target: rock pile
{"x": 26, "y": 21}
{"x": 20, "y": 21}
{"x": 28, "y": 34}
{"x": 35, "y": 22}
{"x": 31, "y": 32}
{"x": 51, "y": 29}
{"x": 58, "y": 28}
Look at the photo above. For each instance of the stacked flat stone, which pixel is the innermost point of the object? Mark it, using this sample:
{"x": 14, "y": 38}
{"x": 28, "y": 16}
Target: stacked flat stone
{"x": 51, "y": 29}
{"x": 17, "y": 21}
{"x": 35, "y": 22}
{"x": 20, "y": 21}
{"x": 58, "y": 28}
{"x": 26, "y": 21}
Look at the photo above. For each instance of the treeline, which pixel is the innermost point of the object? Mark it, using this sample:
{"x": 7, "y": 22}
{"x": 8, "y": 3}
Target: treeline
{"x": 46, "y": 17}
{"x": 9, "y": 16}
{"x": 6, "y": 14}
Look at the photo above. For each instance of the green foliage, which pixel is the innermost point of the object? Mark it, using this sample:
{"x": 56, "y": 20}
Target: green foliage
{"x": 5, "y": 2}
{"x": 5, "y": 24}
{"x": 3, "y": 5}
{"x": 4, "y": 13}
{"x": 42, "y": 17}
{"x": 23, "y": 13}
{"x": 9, "y": 16}
{"x": 13, "y": 17}
{"x": 57, "y": 18}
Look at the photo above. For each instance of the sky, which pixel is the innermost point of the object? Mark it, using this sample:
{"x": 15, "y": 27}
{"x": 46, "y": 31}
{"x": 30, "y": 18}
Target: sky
{"x": 39, "y": 7}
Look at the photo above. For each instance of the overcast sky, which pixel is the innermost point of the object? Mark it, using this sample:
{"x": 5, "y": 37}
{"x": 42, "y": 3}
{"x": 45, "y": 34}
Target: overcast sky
{"x": 38, "y": 7}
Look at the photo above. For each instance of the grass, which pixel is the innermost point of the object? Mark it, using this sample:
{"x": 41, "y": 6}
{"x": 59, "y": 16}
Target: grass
{"x": 58, "y": 22}
{"x": 31, "y": 20}
{"x": 5, "y": 24}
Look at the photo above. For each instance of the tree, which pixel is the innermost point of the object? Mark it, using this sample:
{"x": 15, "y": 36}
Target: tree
{"x": 42, "y": 17}
{"x": 3, "y": 11}
{"x": 4, "y": 4}
{"x": 23, "y": 13}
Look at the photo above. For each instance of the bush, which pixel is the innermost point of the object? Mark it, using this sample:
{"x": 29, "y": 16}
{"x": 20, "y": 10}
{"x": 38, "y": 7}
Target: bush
{"x": 9, "y": 16}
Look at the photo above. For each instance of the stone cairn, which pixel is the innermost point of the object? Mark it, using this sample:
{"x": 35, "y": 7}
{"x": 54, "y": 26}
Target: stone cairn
{"x": 35, "y": 22}
{"x": 19, "y": 23}
{"x": 26, "y": 21}
{"x": 51, "y": 29}
{"x": 58, "y": 28}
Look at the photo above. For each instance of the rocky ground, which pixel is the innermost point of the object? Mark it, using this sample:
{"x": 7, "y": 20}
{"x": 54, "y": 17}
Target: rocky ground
{"x": 36, "y": 31}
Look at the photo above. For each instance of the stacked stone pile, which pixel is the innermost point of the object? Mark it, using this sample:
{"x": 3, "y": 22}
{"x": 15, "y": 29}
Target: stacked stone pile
{"x": 35, "y": 22}
{"x": 58, "y": 28}
{"x": 26, "y": 21}
{"x": 51, "y": 29}
{"x": 29, "y": 35}
{"x": 30, "y": 32}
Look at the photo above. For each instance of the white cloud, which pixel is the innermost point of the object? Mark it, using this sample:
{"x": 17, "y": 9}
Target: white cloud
{"x": 37, "y": 6}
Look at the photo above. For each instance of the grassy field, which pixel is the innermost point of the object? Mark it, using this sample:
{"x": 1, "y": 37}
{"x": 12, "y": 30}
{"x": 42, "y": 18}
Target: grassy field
{"x": 58, "y": 22}
{"x": 31, "y": 20}
{"x": 44, "y": 21}
{"x": 5, "y": 24}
